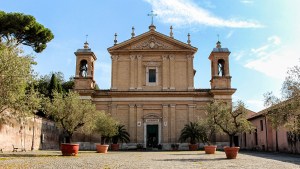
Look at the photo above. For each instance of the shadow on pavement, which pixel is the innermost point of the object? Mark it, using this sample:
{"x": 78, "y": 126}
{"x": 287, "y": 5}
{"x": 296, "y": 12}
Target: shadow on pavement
{"x": 192, "y": 160}
{"x": 283, "y": 157}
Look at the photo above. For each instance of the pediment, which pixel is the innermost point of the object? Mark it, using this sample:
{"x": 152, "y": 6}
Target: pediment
{"x": 152, "y": 41}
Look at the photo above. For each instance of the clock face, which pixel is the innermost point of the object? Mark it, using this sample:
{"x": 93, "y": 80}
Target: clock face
{"x": 152, "y": 44}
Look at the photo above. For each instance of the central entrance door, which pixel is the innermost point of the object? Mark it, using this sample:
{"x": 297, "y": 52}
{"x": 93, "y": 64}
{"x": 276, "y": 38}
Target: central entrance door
{"x": 152, "y": 136}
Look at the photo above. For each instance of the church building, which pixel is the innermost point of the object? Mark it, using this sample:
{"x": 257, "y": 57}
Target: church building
{"x": 152, "y": 85}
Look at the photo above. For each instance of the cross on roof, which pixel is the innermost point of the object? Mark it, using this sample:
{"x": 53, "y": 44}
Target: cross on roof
{"x": 152, "y": 14}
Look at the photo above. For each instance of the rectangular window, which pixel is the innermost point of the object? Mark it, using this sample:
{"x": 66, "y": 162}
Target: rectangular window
{"x": 261, "y": 125}
{"x": 152, "y": 75}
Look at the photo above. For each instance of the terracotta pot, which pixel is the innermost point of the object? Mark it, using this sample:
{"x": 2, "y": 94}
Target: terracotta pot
{"x": 68, "y": 149}
{"x": 210, "y": 149}
{"x": 102, "y": 148}
{"x": 115, "y": 147}
{"x": 231, "y": 152}
{"x": 193, "y": 147}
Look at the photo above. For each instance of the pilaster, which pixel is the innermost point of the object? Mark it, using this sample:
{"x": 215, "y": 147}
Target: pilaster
{"x": 172, "y": 123}
{"x": 172, "y": 72}
{"x": 165, "y": 125}
{"x": 114, "y": 71}
{"x": 132, "y": 59}
{"x": 140, "y": 125}
{"x": 165, "y": 72}
{"x": 191, "y": 109}
{"x": 132, "y": 123}
{"x": 190, "y": 72}
{"x": 139, "y": 69}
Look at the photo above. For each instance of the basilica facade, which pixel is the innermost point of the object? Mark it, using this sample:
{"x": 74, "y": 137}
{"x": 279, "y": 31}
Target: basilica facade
{"x": 152, "y": 85}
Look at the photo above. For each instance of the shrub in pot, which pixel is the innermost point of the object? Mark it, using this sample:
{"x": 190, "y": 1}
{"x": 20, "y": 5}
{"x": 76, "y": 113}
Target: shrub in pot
{"x": 193, "y": 133}
{"x": 122, "y": 135}
{"x": 210, "y": 130}
{"x": 174, "y": 146}
{"x": 229, "y": 120}
{"x": 106, "y": 126}
{"x": 70, "y": 113}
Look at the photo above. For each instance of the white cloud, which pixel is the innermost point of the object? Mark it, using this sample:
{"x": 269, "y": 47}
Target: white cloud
{"x": 229, "y": 34}
{"x": 255, "y": 104}
{"x": 238, "y": 55}
{"x": 186, "y": 12}
{"x": 247, "y": 1}
{"x": 275, "y": 40}
{"x": 273, "y": 60}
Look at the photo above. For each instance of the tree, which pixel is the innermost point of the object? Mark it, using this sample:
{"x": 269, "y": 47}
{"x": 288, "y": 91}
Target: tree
{"x": 70, "y": 112}
{"x": 230, "y": 121}
{"x": 24, "y": 29}
{"x": 285, "y": 111}
{"x": 193, "y": 132}
{"x": 106, "y": 126}
{"x": 210, "y": 129}
{"x": 15, "y": 71}
{"x": 121, "y": 135}
{"x": 27, "y": 107}
{"x": 54, "y": 85}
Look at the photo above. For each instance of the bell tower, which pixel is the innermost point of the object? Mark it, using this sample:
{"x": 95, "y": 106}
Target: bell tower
{"x": 220, "y": 76}
{"x": 84, "y": 74}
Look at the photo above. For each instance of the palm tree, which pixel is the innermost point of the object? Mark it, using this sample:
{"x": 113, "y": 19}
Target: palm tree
{"x": 122, "y": 135}
{"x": 193, "y": 132}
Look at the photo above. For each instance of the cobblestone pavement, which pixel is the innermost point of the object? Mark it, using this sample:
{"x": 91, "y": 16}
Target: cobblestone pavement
{"x": 143, "y": 160}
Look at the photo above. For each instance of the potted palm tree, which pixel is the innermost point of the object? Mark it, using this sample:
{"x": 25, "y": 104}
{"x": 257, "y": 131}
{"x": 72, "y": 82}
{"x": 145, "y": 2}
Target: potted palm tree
{"x": 106, "y": 126}
{"x": 70, "y": 113}
{"x": 193, "y": 133}
{"x": 230, "y": 121}
{"x": 121, "y": 135}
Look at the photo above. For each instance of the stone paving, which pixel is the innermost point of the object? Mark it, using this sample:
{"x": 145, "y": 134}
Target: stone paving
{"x": 143, "y": 160}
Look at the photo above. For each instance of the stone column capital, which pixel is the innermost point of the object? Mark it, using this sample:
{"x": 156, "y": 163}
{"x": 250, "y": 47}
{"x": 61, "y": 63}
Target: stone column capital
{"x": 114, "y": 57}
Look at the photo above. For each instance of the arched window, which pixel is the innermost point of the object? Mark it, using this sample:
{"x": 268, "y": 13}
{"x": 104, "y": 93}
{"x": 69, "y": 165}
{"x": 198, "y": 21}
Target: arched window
{"x": 221, "y": 67}
{"x": 83, "y": 68}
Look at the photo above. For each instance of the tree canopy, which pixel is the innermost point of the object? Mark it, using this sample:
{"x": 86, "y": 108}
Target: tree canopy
{"x": 70, "y": 112}
{"x": 230, "y": 121}
{"x": 15, "y": 72}
{"x": 24, "y": 29}
{"x": 285, "y": 111}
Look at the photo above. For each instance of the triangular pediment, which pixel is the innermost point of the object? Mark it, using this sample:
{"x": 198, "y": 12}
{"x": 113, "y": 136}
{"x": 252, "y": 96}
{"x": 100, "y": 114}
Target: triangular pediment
{"x": 152, "y": 41}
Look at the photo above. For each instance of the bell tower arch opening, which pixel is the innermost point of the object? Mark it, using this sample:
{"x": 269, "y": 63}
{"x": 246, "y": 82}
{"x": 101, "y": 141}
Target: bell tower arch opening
{"x": 84, "y": 74}
{"x": 219, "y": 58}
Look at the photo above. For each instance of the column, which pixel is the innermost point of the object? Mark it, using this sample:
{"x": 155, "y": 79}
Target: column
{"x": 132, "y": 58}
{"x": 140, "y": 125}
{"x": 114, "y": 110}
{"x": 191, "y": 108}
{"x": 190, "y": 72}
{"x": 165, "y": 125}
{"x": 114, "y": 71}
{"x": 139, "y": 69}
{"x": 172, "y": 78}
{"x": 132, "y": 123}
{"x": 227, "y": 73}
{"x": 165, "y": 72}
{"x": 172, "y": 116}
{"x": 215, "y": 67}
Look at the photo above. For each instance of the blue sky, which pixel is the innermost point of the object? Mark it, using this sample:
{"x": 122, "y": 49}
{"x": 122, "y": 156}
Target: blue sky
{"x": 263, "y": 36}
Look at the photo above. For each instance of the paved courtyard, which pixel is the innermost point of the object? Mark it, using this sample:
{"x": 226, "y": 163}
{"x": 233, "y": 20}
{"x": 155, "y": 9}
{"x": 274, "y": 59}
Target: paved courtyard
{"x": 143, "y": 160}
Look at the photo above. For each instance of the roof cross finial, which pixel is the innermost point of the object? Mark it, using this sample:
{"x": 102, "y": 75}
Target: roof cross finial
{"x": 132, "y": 34}
{"x": 152, "y": 14}
{"x": 115, "y": 41}
{"x": 218, "y": 44}
{"x": 86, "y": 44}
